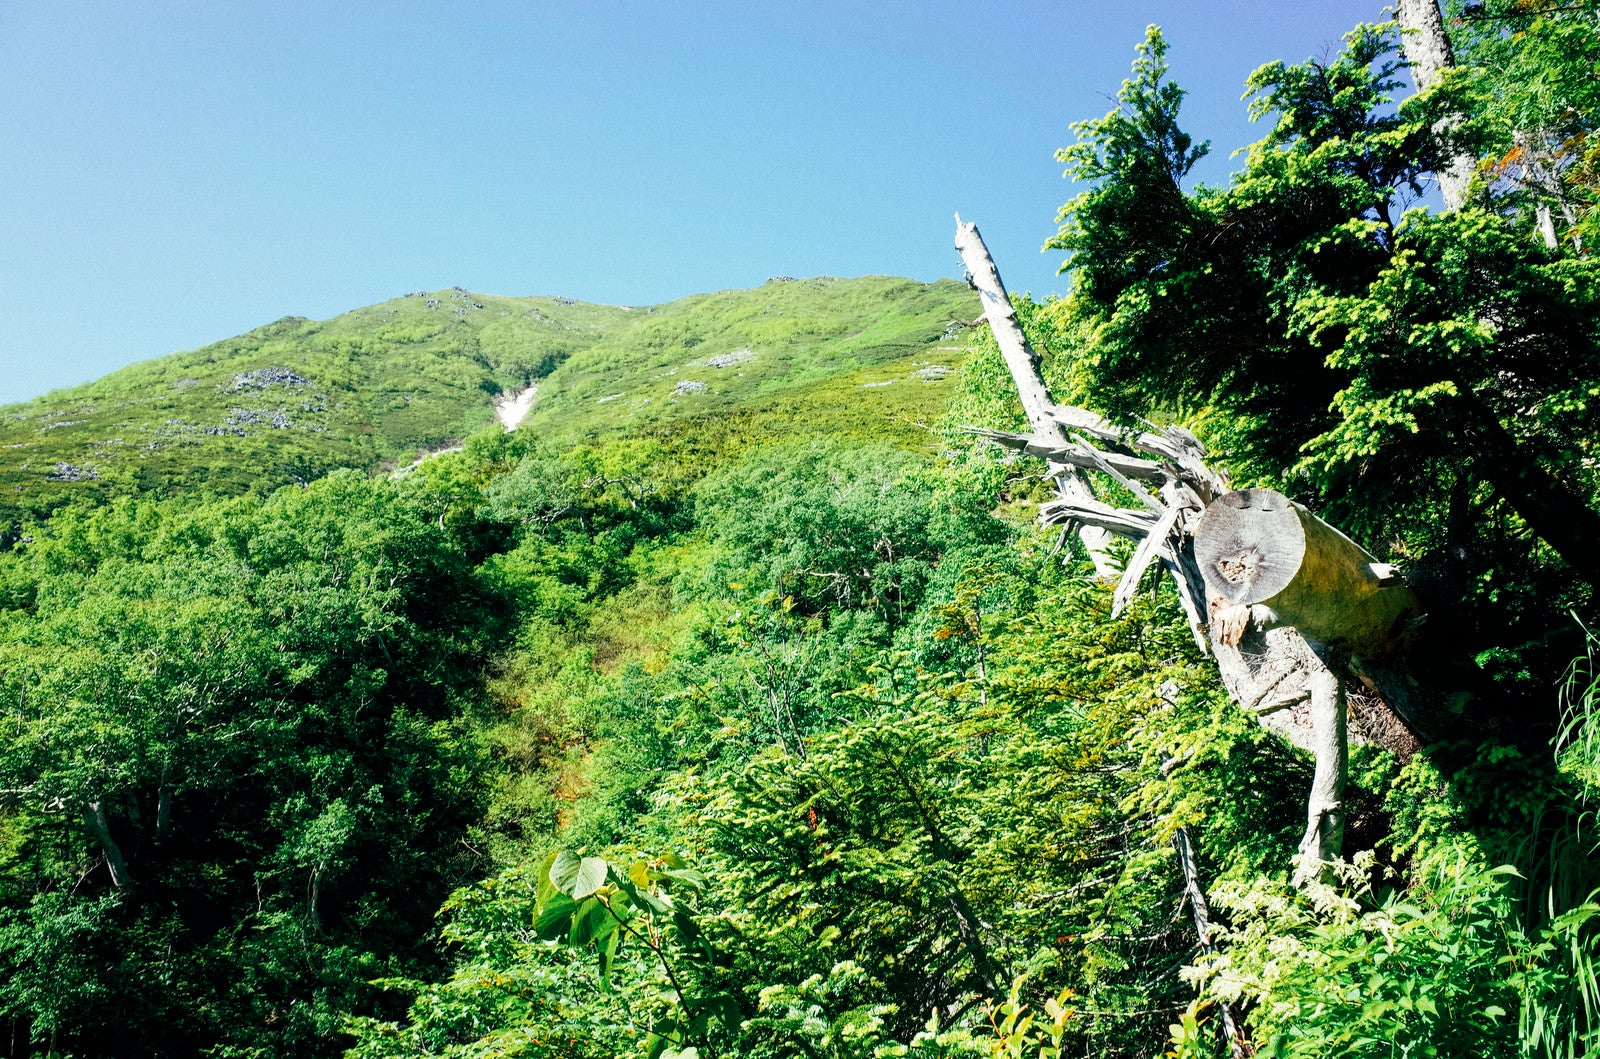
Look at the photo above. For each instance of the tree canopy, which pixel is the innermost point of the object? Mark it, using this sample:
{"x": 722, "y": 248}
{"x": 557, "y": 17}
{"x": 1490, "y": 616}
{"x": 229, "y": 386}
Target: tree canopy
{"x": 1428, "y": 379}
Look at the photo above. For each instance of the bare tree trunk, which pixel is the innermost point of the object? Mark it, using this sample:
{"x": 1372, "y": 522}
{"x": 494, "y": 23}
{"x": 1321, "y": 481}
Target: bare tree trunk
{"x": 1545, "y": 221}
{"x": 94, "y": 816}
{"x": 1258, "y": 547}
{"x": 1324, "y": 837}
{"x": 163, "y": 813}
{"x": 1427, "y": 49}
{"x": 967, "y": 926}
{"x": 1023, "y": 364}
{"x": 1288, "y": 606}
{"x": 1426, "y": 44}
{"x": 1200, "y": 908}
{"x": 164, "y": 803}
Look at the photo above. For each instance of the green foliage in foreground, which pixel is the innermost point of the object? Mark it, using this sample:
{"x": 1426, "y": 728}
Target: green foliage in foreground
{"x": 690, "y": 769}
{"x": 731, "y": 721}
{"x": 931, "y": 789}
{"x": 816, "y": 826}
{"x": 943, "y": 826}
{"x": 237, "y": 757}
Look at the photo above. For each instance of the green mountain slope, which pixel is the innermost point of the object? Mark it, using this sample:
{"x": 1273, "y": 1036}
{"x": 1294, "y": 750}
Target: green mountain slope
{"x": 373, "y": 387}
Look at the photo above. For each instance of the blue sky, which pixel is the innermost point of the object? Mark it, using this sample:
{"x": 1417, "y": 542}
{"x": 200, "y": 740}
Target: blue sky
{"x": 177, "y": 173}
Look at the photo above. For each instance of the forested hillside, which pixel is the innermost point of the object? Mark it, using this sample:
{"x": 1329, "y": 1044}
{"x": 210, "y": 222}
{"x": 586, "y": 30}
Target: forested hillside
{"x": 738, "y": 704}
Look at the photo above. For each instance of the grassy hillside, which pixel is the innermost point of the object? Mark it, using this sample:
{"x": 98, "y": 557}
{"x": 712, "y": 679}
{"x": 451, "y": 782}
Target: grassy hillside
{"x": 297, "y": 398}
{"x": 716, "y": 354}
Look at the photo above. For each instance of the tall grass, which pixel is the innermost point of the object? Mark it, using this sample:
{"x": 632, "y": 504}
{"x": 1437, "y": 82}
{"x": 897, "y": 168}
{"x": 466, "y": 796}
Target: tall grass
{"x": 1558, "y": 970}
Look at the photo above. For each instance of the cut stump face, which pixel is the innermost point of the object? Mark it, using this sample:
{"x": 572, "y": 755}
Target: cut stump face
{"x": 1256, "y": 547}
{"x": 1249, "y": 545}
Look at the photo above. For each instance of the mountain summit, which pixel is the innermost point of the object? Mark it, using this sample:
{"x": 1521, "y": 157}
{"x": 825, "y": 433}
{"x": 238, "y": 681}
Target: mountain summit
{"x": 378, "y": 386}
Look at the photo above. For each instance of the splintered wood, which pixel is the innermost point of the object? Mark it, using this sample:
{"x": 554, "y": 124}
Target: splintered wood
{"x": 1257, "y": 546}
{"x": 1290, "y": 608}
{"x": 1023, "y": 364}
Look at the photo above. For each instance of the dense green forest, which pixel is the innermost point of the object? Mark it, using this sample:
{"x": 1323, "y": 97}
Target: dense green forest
{"x": 761, "y": 716}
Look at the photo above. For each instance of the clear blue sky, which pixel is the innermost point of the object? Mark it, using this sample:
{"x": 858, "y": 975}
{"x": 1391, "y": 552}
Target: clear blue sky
{"x": 174, "y": 173}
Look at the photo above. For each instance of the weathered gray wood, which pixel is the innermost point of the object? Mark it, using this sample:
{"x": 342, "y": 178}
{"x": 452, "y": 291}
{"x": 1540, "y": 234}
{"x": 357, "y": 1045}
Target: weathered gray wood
{"x": 1076, "y": 455}
{"x": 1324, "y": 837}
{"x": 1257, "y": 547}
{"x": 1020, "y": 358}
{"x": 1152, "y": 547}
{"x": 1023, "y": 364}
{"x": 1427, "y": 50}
{"x": 1139, "y": 492}
{"x": 1287, "y": 605}
{"x": 1179, "y": 448}
{"x": 1179, "y": 456}
{"x": 1125, "y": 522}
{"x": 1264, "y": 670}
{"x": 1179, "y": 564}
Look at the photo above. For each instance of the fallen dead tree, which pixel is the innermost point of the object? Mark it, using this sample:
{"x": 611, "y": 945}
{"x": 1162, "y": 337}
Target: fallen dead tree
{"x": 1294, "y": 612}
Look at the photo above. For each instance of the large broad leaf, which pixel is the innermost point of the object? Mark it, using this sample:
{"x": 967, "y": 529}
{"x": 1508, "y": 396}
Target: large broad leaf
{"x": 593, "y": 922}
{"x": 554, "y": 918}
{"x": 591, "y": 876}
{"x": 546, "y": 888}
{"x": 575, "y": 876}
{"x": 563, "y": 872}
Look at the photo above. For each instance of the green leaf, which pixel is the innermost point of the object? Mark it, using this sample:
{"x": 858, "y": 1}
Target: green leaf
{"x": 641, "y": 895}
{"x": 554, "y": 917}
{"x": 591, "y": 876}
{"x": 722, "y": 1006}
{"x": 563, "y": 872}
{"x": 592, "y": 922}
{"x": 687, "y": 927}
{"x": 688, "y": 876}
{"x": 545, "y": 887}
{"x": 607, "y": 956}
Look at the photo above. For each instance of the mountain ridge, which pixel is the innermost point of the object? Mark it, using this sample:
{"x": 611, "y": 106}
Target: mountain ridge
{"x": 374, "y": 387}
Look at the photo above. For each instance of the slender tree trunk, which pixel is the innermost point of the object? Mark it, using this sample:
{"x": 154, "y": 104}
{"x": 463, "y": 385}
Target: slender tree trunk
{"x": 1023, "y": 364}
{"x": 1545, "y": 220}
{"x": 1427, "y": 49}
{"x": 1200, "y": 908}
{"x": 163, "y": 813}
{"x": 967, "y": 926}
{"x": 1552, "y": 511}
{"x": 164, "y": 803}
{"x": 1426, "y": 44}
{"x": 94, "y": 815}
